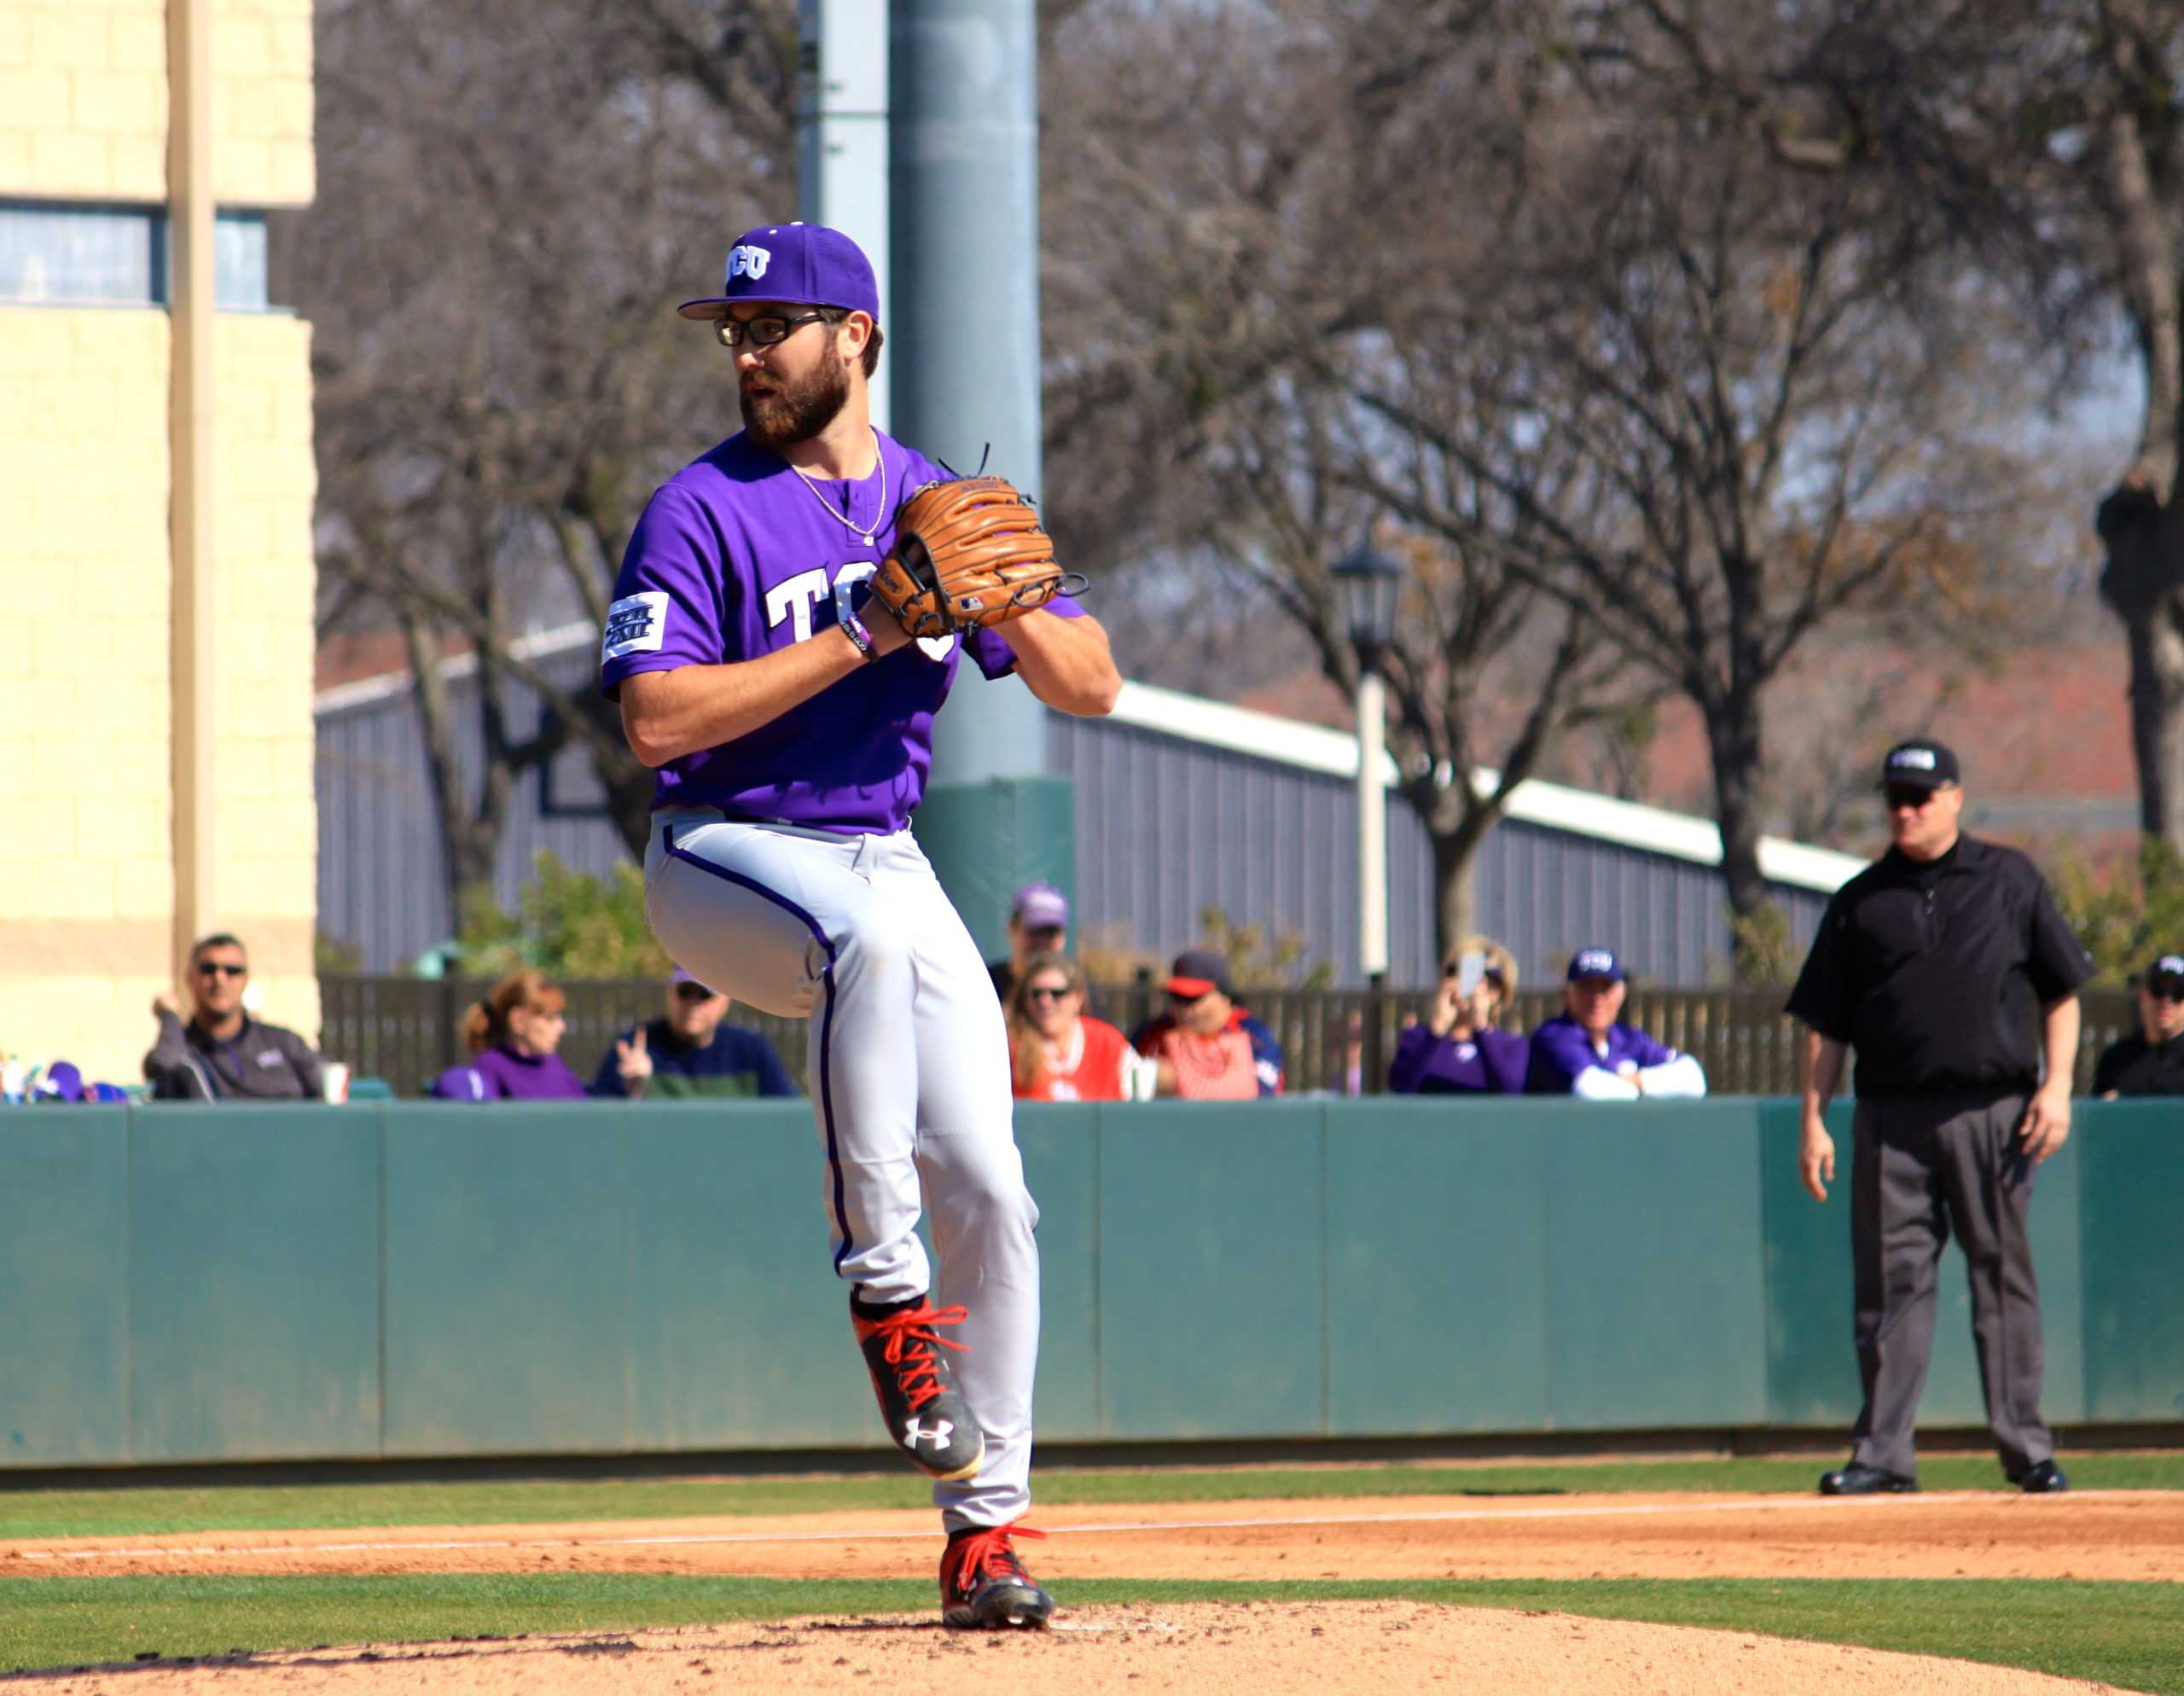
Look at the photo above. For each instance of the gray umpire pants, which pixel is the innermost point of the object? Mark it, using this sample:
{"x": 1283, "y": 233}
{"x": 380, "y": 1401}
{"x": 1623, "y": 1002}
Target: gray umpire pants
{"x": 1920, "y": 1167}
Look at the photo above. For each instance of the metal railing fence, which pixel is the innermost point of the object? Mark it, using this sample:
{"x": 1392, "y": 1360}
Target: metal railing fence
{"x": 408, "y": 1030}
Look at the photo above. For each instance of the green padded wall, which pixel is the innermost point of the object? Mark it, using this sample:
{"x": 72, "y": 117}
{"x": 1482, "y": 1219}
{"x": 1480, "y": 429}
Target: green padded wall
{"x": 64, "y": 1286}
{"x": 406, "y": 1280}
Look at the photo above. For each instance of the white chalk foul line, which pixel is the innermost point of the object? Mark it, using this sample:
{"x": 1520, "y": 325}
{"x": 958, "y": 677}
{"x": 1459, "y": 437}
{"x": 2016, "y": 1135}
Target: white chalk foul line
{"x": 1786, "y": 1504}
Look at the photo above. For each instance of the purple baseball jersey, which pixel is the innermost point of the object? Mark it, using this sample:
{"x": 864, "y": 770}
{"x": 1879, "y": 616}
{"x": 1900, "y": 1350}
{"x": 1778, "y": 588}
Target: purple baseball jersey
{"x": 1561, "y": 1050}
{"x": 737, "y": 555}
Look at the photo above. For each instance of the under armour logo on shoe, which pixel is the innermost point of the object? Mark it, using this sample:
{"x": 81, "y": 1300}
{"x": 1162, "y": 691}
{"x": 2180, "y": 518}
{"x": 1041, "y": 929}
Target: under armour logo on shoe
{"x": 915, "y": 1431}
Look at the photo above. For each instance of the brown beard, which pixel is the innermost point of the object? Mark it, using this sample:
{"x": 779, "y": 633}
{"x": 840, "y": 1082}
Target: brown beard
{"x": 797, "y": 412}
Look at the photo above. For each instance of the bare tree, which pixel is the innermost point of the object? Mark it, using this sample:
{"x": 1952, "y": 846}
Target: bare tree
{"x": 511, "y": 196}
{"x": 1711, "y": 419}
{"x": 2042, "y": 142}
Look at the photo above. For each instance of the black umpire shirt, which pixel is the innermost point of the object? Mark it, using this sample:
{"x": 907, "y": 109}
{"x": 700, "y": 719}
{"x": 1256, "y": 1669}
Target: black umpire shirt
{"x": 1936, "y": 972}
{"x": 2134, "y": 1067}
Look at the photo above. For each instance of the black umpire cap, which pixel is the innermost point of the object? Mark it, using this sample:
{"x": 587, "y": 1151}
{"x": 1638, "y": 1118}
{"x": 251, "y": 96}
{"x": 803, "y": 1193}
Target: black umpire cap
{"x": 2165, "y": 976}
{"x": 1921, "y": 762}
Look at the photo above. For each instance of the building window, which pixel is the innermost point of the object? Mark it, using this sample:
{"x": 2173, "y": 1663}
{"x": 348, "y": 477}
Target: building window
{"x": 81, "y": 255}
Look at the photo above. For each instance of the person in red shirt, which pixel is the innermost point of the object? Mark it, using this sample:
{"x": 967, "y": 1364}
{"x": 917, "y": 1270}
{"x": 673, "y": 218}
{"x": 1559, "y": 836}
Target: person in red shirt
{"x": 1207, "y": 1048}
{"x": 1061, "y": 1053}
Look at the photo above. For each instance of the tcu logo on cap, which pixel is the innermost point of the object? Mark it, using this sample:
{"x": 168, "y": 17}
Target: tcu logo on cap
{"x": 1923, "y": 759}
{"x": 2173, "y": 964}
{"x": 1593, "y": 960}
{"x": 748, "y": 261}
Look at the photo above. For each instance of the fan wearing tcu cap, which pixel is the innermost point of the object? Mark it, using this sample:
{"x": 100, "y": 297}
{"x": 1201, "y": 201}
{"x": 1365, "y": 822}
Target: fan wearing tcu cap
{"x": 1586, "y": 1051}
{"x": 1948, "y": 967}
{"x": 2149, "y": 1060}
{"x": 792, "y": 743}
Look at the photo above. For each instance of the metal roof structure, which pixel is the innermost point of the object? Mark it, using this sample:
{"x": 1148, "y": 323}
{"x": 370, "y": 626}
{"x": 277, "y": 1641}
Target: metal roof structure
{"x": 1182, "y": 804}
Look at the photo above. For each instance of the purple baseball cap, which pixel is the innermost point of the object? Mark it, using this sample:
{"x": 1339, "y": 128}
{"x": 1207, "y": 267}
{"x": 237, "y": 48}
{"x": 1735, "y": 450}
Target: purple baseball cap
{"x": 63, "y": 1081}
{"x": 679, "y": 976}
{"x": 798, "y": 264}
{"x": 1040, "y": 906}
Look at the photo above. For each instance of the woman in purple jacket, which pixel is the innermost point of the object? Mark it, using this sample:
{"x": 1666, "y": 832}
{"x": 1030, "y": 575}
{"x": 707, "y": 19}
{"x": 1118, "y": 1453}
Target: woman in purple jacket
{"x": 513, "y": 1034}
{"x": 1458, "y": 1051}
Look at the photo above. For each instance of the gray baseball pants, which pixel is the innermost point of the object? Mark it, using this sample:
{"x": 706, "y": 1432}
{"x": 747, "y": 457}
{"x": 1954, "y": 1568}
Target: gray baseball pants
{"x": 1922, "y": 1167}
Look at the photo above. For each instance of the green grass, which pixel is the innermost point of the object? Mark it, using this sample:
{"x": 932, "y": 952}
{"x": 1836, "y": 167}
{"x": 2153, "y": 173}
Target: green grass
{"x": 125, "y": 1511}
{"x": 2123, "y": 1634}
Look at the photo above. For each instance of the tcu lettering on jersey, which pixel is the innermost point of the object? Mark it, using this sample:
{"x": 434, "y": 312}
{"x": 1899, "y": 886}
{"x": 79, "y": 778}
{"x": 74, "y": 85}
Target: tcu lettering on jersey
{"x": 634, "y": 625}
{"x": 792, "y": 598}
{"x": 749, "y": 261}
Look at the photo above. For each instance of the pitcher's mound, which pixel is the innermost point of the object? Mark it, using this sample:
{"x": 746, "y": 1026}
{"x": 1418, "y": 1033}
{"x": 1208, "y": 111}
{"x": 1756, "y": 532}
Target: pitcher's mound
{"x": 1244, "y": 1649}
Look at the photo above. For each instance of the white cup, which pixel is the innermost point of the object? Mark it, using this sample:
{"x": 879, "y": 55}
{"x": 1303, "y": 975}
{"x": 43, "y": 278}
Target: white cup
{"x": 334, "y": 1080}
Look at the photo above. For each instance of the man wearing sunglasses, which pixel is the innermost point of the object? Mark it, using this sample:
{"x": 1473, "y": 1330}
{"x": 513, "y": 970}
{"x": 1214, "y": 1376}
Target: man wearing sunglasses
{"x": 2149, "y": 1060}
{"x": 1947, "y": 965}
{"x": 223, "y": 1054}
{"x": 793, "y": 741}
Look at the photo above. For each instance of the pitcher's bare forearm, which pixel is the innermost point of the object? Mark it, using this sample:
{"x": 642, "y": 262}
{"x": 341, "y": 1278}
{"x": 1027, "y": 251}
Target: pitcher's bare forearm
{"x": 1064, "y": 662}
{"x": 668, "y": 714}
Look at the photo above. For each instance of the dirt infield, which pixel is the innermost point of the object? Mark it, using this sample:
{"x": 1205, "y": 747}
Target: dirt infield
{"x": 2088, "y": 1534}
{"x": 1259, "y": 1648}
{"x": 1262, "y": 1649}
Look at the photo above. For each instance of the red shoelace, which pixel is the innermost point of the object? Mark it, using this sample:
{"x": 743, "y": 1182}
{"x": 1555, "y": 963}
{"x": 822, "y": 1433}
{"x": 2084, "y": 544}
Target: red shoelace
{"x": 988, "y": 1554}
{"x": 909, "y": 1347}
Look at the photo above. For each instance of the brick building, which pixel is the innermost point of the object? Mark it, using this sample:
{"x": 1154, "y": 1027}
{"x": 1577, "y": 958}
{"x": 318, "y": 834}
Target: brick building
{"x": 156, "y": 483}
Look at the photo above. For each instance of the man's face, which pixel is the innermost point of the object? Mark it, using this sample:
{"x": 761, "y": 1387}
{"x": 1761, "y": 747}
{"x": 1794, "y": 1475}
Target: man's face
{"x": 1922, "y": 821}
{"x": 1594, "y": 1002}
{"x": 1201, "y": 1015}
{"x": 793, "y": 390}
{"x": 218, "y": 977}
{"x": 2161, "y": 1009}
{"x": 1030, "y": 940}
{"x": 693, "y": 1014}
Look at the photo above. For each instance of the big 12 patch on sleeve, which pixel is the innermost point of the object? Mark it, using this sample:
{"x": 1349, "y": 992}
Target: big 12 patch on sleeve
{"x": 636, "y": 624}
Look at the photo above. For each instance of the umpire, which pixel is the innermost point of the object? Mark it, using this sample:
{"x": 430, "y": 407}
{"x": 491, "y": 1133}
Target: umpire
{"x": 1935, "y": 963}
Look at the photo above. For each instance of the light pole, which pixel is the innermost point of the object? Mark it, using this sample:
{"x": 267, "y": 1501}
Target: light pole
{"x": 1370, "y": 581}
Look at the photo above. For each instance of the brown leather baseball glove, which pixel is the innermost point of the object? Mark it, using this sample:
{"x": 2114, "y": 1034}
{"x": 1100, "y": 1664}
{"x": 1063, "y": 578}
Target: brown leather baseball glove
{"x": 967, "y": 553}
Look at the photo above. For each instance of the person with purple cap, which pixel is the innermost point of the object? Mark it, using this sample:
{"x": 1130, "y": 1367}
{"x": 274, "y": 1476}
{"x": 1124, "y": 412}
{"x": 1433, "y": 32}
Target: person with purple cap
{"x": 793, "y": 740}
{"x": 1038, "y": 923}
{"x": 691, "y": 1052}
{"x": 1587, "y": 1052}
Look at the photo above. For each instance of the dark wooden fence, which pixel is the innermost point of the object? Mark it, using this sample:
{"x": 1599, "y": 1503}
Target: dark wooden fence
{"x": 407, "y": 1029}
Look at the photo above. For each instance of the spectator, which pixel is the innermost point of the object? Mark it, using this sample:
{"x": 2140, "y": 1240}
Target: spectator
{"x": 1585, "y": 1052}
{"x": 1205, "y": 1047}
{"x": 223, "y": 1054}
{"x": 1038, "y": 923}
{"x": 513, "y": 1034}
{"x": 1060, "y": 1053}
{"x": 691, "y": 1052}
{"x": 1458, "y": 1050}
{"x": 2151, "y": 1060}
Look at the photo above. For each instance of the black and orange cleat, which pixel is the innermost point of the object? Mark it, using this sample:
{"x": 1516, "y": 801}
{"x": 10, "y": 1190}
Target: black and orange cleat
{"x": 919, "y": 1402}
{"x": 983, "y": 1585}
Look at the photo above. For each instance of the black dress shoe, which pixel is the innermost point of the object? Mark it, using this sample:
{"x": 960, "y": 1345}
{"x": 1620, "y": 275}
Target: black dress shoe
{"x": 1858, "y": 1479}
{"x": 2044, "y": 1479}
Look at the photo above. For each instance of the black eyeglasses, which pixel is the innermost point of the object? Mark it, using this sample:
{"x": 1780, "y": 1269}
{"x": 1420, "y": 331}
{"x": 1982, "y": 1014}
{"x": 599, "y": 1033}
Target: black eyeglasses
{"x": 1042, "y": 993}
{"x": 220, "y": 969}
{"x": 764, "y": 331}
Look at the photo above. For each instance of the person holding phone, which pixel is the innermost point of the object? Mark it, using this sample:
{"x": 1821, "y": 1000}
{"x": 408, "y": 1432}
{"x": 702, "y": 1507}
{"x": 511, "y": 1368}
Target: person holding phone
{"x": 1459, "y": 1049}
